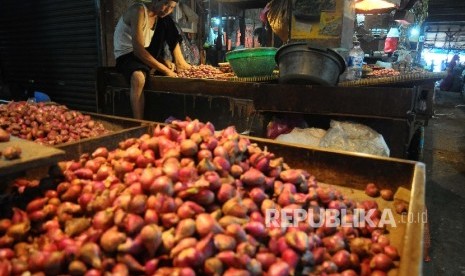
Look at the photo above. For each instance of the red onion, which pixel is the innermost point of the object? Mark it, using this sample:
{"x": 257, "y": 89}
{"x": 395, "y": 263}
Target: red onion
{"x": 189, "y": 147}
{"x": 151, "y": 216}
{"x": 255, "y": 228}
{"x": 137, "y": 205}
{"x": 236, "y": 170}
{"x": 205, "y": 224}
{"x": 132, "y": 223}
{"x": 150, "y": 236}
{"x": 381, "y": 261}
{"x": 234, "y": 207}
{"x": 77, "y": 267}
{"x": 387, "y": 194}
{"x": 225, "y": 193}
{"x": 213, "y": 266}
{"x": 292, "y": 176}
{"x": 111, "y": 239}
{"x": 53, "y": 264}
{"x": 204, "y": 197}
{"x": 185, "y": 228}
{"x": 131, "y": 263}
{"x": 169, "y": 220}
{"x": 183, "y": 244}
{"x": 349, "y": 272}
{"x": 229, "y": 258}
{"x": 391, "y": 251}
{"x": 253, "y": 177}
{"x": 189, "y": 257}
{"x": 163, "y": 185}
{"x": 100, "y": 152}
{"x": 341, "y": 259}
{"x": 236, "y": 272}
{"x": 279, "y": 268}
{"x": 189, "y": 209}
{"x": 131, "y": 246}
{"x": 372, "y": 190}
{"x": 291, "y": 258}
{"x": 224, "y": 242}
{"x": 90, "y": 254}
{"x": 266, "y": 259}
{"x": 151, "y": 266}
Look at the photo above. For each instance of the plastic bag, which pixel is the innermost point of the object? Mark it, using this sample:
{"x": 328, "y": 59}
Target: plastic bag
{"x": 284, "y": 125}
{"x": 390, "y": 44}
{"x": 354, "y": 137}
{"x": 303, "y": 136}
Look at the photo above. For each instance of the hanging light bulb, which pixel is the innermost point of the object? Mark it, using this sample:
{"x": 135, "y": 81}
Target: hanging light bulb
{"x": 369, "y": 5}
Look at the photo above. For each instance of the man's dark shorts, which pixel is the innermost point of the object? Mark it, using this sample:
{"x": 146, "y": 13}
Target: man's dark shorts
{"x": 128, "y": 63}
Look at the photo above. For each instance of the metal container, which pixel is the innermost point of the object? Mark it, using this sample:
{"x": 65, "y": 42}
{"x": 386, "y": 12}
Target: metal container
{"x": 300, "y": 64}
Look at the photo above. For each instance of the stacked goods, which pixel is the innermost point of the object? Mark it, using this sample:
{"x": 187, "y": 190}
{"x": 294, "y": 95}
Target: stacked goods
{"x": 47, "y": 123}
{"x": 188, "y": 200}
{"x": 11, "y": 152}
{"x": 204, "y": 72}
{"x": 225, "y": 67}
{"x": 382, "y": 73}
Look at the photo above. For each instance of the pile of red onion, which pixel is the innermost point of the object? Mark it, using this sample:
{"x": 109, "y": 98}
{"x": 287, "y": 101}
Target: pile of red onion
{"x": 186, "y": 201}
{"x": 47, "y": 123}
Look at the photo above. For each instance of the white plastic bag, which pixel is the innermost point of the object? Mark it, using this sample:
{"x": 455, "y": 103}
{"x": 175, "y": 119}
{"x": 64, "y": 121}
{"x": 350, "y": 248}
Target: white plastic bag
{"x": 354, "y": 137}
{"x": 303, "y": 136}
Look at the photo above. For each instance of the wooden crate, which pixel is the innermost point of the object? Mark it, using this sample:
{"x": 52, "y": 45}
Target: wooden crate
{"x": 350, "y": 172}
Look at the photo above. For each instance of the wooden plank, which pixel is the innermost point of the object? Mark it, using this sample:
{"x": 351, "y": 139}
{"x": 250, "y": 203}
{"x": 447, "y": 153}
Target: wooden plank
{"x": 32, "y": 155}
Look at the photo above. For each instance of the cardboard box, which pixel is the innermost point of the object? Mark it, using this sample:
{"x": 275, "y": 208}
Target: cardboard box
{"x": 325, "y": 23}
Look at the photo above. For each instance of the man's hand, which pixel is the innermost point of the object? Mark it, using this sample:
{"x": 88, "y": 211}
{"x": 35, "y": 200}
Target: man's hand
{"x": 170, "y": 65}
{"x": 171, "y": 74}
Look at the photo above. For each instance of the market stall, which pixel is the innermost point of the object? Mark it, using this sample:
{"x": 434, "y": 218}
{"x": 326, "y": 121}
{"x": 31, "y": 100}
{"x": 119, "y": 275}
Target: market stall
{"x": 394, "y": 112}
{"x": 197, "y": 189}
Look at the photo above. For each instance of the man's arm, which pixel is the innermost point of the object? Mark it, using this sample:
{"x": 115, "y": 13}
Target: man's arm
{"x": 137, "y": 16}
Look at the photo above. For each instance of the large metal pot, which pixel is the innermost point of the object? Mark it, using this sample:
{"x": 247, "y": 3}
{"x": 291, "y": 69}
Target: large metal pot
{"x": 300, "y": 64}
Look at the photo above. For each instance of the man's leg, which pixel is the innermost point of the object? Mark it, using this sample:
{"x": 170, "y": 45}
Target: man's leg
{"x": 137, "y": 94}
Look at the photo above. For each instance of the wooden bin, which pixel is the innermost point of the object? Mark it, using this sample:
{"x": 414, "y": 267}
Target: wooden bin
{"x": 350, "y": 172}
{"x": 120, "y": 129}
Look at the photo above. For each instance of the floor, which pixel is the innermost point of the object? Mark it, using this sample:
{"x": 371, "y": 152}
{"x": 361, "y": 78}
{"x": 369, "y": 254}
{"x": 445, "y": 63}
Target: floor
{"x": 444, "y": 156}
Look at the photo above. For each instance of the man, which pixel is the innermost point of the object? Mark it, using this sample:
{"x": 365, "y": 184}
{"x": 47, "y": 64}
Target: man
{"x": 139, "y": 39}
{"x": 447, "y": 82}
